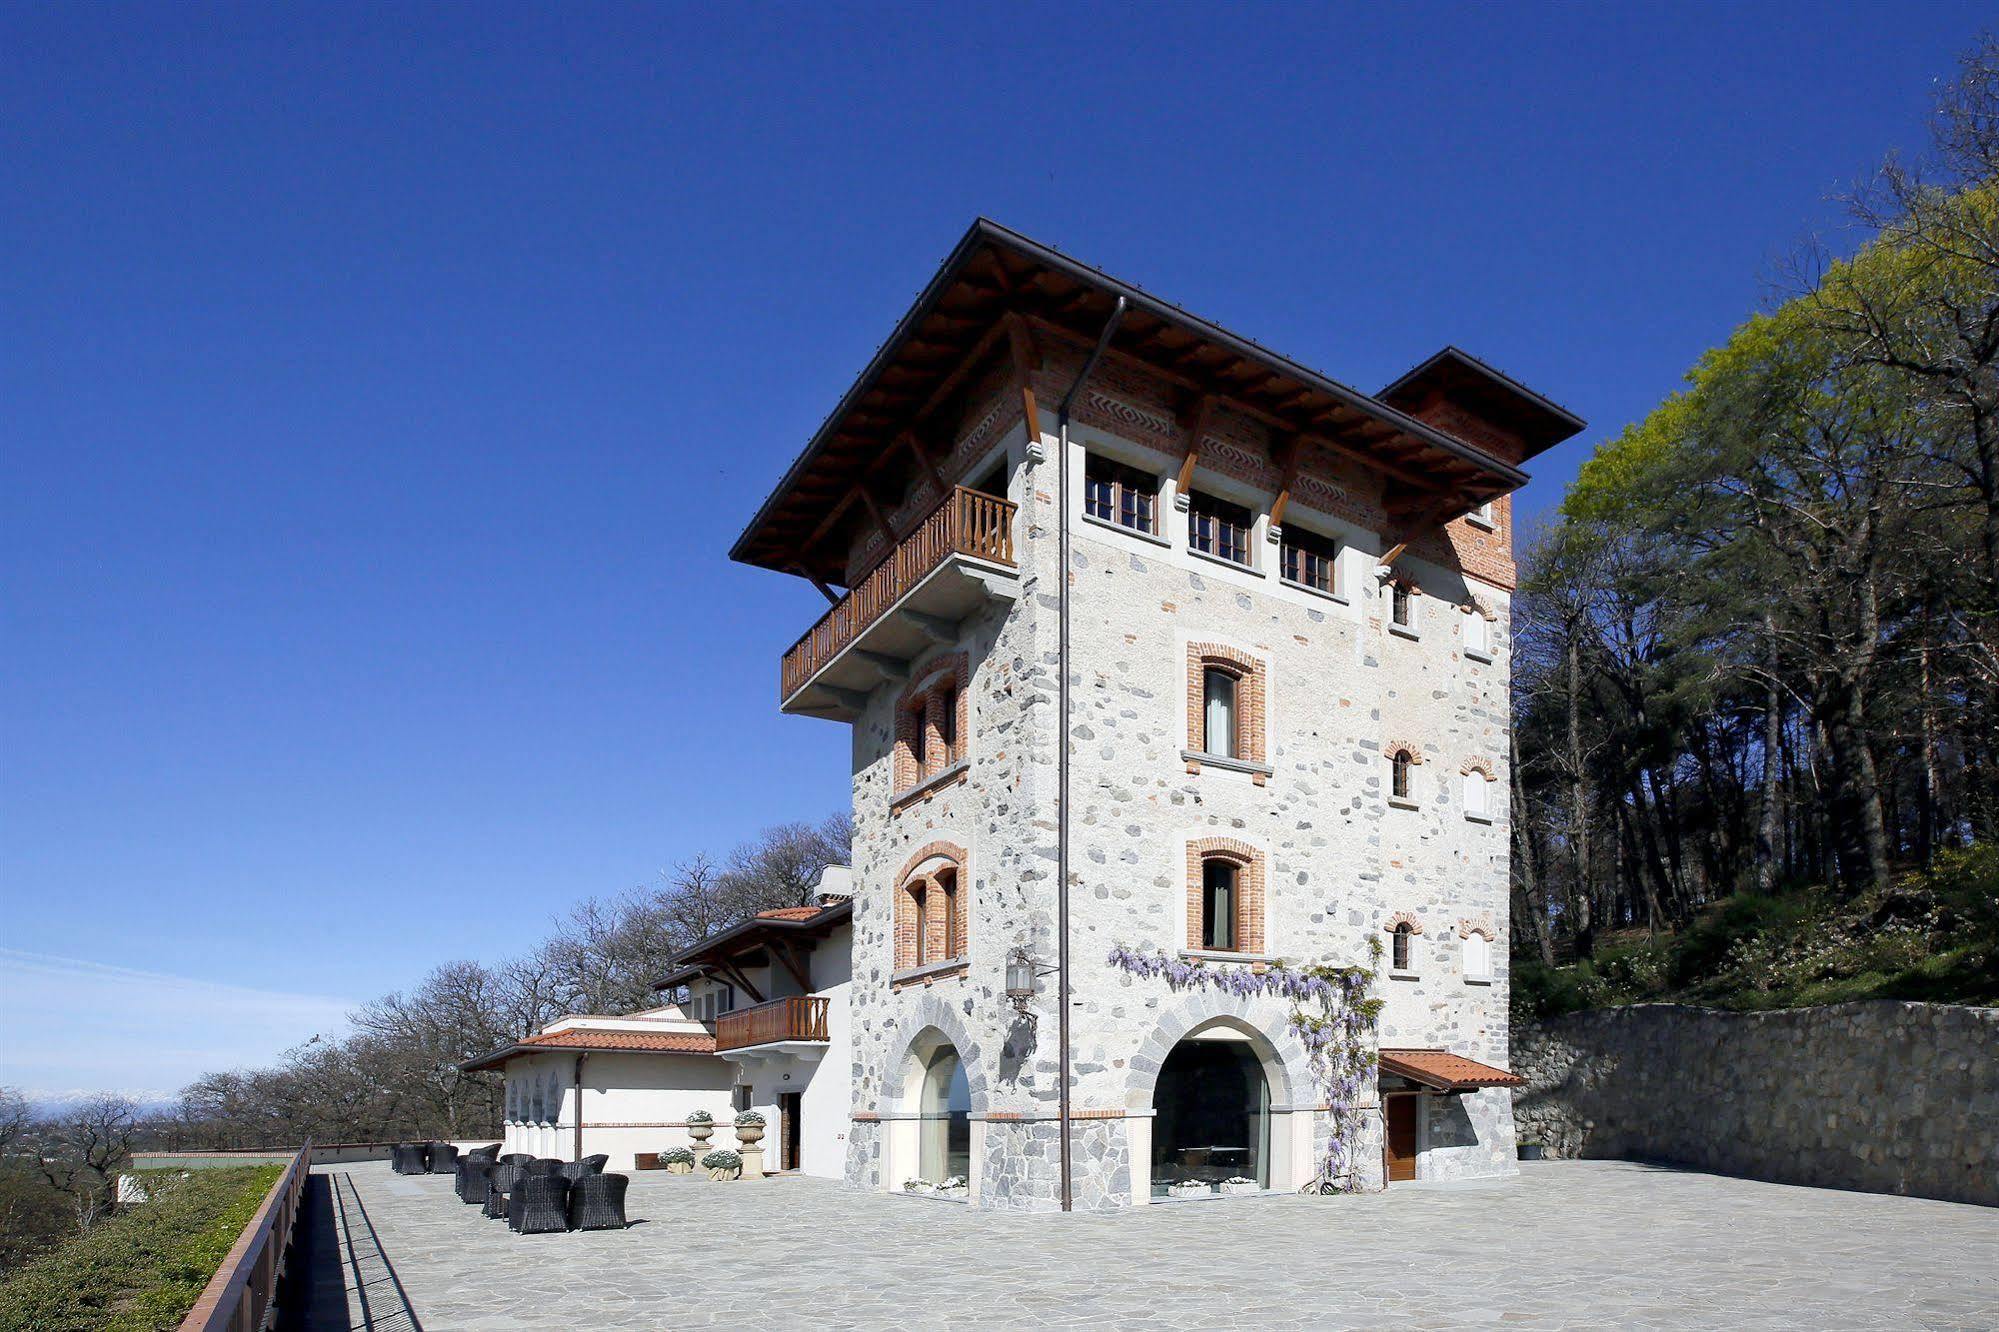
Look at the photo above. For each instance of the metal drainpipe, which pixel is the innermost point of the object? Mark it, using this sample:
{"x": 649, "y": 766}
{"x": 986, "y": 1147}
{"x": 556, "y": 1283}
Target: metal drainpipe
{"x": 577, "y": 1155}
{"x": 1062, "y": 741}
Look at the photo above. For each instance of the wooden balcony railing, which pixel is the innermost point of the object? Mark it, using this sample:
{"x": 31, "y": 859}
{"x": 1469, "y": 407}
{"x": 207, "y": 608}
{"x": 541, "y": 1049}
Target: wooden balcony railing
{"x": 800, "y": 1018}
{"x": 238, "y": 1297}
{"x": 968, "y": 522}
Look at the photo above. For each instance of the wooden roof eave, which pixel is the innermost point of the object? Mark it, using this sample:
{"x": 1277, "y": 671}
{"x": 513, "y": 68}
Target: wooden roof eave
{"x": 759, "y": 544}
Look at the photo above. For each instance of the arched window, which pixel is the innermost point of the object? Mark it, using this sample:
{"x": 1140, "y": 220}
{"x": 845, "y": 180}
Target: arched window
{"x": 1401, "y": 946}
{"x": 1478, "y": 634}
{"x": 1218, "y": 693}
{"x": 1398, "y": 782}
{"x": 1401, "y": 605}
{"x": 1478, "y": 957}
{"x": 932, "y": 909}
{"x": 1219, "y": 895}
{"x": 1224, "y": 896}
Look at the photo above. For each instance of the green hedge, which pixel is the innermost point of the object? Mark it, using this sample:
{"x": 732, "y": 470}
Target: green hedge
{"x": 144, "y": 1268}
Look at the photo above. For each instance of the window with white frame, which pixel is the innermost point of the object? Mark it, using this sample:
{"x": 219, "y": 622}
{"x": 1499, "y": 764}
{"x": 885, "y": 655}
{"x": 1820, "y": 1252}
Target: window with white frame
{"x": 1478, "y": 635}
{"x": 1218, "y": 712}
{"x": 1218, "y": 528}
{"x": 1482, "y": 515}
{"x": 1478, "y": 958}
{"x": 1402, "y": 606}
{"x": 1475, "y": 796}
{"x": 1124, "y": 496}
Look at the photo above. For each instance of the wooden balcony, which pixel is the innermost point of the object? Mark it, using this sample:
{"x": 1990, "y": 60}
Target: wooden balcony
{"x": 800, "y": 1018}
{"x": 962, "y": 554}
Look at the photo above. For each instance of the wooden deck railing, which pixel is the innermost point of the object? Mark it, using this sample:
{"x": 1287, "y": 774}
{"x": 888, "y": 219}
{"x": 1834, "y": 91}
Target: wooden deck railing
{"x": 238, "y": 1297}
{"x": 968, "y": 522}
{"x": 799, "y": 1018}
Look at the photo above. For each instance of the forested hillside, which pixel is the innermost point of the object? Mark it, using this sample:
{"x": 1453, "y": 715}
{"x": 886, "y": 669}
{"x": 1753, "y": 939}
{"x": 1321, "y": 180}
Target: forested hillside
{"x": 1759, "y": 647}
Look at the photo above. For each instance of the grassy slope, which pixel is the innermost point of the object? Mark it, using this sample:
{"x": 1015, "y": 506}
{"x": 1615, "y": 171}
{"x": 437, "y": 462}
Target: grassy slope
{"x": 1933, "y": 936}
{"x": 145, "y": 1268}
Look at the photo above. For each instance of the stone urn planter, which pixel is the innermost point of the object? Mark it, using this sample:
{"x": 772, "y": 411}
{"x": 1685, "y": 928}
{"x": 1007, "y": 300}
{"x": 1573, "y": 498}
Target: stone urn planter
{"x": 723, "y": 1165}
{"x": 749, "y": 1127}
{"x": 700, "y": 1127}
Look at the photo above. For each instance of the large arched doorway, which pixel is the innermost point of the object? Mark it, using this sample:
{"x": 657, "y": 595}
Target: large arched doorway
{"x": 1211, "y": 1113}
{"x": 944, "y": 1118}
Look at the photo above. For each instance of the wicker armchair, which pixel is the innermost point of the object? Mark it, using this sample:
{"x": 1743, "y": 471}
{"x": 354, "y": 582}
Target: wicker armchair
{"x": 496, "y": 1202}
{"x": 506, "y": 1182}
{"x": 473, "y": 1177}
{"x": 589, "y": 1165}
{"x": 540, "y": 1206}
{"x": 409, "y": 1158}
{"x": 490, "y": 1152}
{"x": 518, "y": 1158}
{"x": 443, "y": 1158}
{"x": 597, "y": 1202}
{"x": 544, "y": 1165}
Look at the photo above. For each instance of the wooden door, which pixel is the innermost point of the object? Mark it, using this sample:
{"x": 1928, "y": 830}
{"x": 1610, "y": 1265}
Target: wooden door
{"x": 1401, "y": 1137}
{"x": 788, "y": 1131}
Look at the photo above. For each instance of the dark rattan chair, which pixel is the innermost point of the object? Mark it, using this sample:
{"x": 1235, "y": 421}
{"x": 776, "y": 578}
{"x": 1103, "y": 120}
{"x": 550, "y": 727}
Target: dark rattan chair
{"x": 518, "y": 1158}
{"x": 540, "y": 1206}
{"x": 496, "y": 1202}
{"x": 506, "y": 1180}
{"x": 597, "y": 1202}
{"x": 473, "y": 1177}
{"x": 443, "y": 1158}
{"x": 490, "y": 1152}
{"x": 544, "y": 1165}
{"x": 589, "y": 1165}
{"x": 407, "y": 1158}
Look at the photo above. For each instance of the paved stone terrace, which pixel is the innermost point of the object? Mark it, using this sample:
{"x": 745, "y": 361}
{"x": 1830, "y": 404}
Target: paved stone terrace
{"x": 1568, "y": 1244}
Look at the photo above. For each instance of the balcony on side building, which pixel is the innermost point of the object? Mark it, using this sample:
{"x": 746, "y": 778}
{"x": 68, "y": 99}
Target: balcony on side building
{"x": 795, "y": 1026}
{"x": 959, "y": 556}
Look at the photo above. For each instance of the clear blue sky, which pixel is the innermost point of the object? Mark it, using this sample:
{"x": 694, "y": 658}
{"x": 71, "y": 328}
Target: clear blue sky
{"x": 380, "y": 392}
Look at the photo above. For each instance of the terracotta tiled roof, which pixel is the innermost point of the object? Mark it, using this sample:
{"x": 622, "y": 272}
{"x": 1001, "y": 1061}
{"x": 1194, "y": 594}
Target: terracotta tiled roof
{"x": 1446, "y": 1071}
{"x": 790, "y": 913}
{"x": 587, "y": 1038}
{"x": 583, "y": 1038}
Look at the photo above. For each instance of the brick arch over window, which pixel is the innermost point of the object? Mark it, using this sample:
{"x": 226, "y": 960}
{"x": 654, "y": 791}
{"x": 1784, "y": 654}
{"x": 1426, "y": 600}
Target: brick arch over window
{"x": 1249, "y": 891}
{"x": 1477, "y": 605}
{"x": 1402, "y": 918}
{"x": 1479, "y": 765}
{"x": 932, "y": 723}
{"x": 933, "y": 907}
{"x": 1390, "y": 748}
{"x": 1467, "y": 928}
{"x": 1251, "y": 688}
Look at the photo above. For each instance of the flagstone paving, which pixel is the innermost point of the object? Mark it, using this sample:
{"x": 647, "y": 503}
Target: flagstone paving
{"x": 1567, "y": 1244}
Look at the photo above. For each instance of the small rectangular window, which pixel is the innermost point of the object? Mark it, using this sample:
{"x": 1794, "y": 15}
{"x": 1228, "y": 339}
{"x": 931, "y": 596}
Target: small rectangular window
{"x": 1310, "y": 560}
{"x": 1218, "y": 528}
{"x": 1482, "y": 515}
{"x": 1401, "y": 604}
{"x": 1475, "y": 785}
{"x": 725, "y": 999}
{"x": 1218, "y": 894}
{"x": 1115, "y": 493}
{"x": 740, "y": 1098}
{"x": 947, "y": 725}
{"x": 922, "y": 896}
{"x": 1478, "y": 958}
{"x": 1218, "y": 730}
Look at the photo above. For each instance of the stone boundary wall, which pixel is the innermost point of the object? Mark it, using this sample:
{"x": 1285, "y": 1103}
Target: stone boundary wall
{"x": 1885, "y": 1097}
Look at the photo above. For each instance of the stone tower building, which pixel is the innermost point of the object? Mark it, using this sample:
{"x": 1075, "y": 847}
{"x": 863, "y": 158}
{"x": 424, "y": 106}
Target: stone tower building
{"x": 1284, "y": 732}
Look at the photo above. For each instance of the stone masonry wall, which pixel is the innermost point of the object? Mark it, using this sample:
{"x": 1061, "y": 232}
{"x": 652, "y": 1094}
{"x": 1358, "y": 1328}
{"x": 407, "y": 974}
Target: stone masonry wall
{"x": 1886, "y": 1097}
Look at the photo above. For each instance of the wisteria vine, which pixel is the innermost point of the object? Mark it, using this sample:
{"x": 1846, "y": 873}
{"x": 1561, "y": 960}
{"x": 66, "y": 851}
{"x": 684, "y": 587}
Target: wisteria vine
{"x": 1333, "y": 1013}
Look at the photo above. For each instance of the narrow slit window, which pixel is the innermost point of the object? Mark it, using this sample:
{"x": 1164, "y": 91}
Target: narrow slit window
{"x": 1399, "y": 952}
{"x": 947, "y": 726}
{"x": 1477, "y": 635}
{"x": 1400, "y": 604}
{"x": 921, "y": 894}
{"x": 1398, "y": 776}
{"x": 1218, "y": 694}
{"x": 1218, "y": 905}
